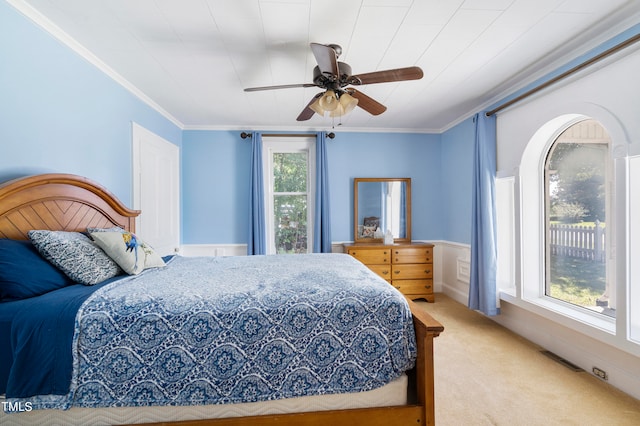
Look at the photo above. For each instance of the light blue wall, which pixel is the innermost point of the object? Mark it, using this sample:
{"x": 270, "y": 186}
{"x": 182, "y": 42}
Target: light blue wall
{"x": 215, "y": 182}
{"x": 59, "y": 113}
{"x": 416, "y": 156}
{"x": 215, "y": 187}
{"x": 457, "y": 179}
{"x": 457, "y": 151}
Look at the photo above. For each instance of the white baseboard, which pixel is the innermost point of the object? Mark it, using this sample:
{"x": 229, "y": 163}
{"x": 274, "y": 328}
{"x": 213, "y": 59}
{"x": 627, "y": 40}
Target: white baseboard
{"x": 191, "y": 250}
{"x": 578, "y": 348}
{"x": 455, "y": 293}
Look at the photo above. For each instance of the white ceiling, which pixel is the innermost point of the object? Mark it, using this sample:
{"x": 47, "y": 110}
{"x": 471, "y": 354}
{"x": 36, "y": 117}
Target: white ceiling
{"x": 191, "y": 59}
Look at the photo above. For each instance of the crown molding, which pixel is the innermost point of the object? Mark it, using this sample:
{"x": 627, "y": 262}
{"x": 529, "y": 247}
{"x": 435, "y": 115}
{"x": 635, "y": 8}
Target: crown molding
{"x": 55, "y": 31}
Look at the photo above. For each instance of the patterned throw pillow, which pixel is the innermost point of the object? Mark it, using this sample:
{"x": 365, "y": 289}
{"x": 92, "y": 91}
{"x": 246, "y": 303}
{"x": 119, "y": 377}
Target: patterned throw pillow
{"x": 75, "y": 255}
{"x": 131, "y": 253}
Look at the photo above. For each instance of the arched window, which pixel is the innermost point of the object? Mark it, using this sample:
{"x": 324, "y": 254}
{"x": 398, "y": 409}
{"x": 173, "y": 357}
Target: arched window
{"x": 564, "y": 155}
{"x": 566, "y": 165}
{"x": 578, "y": 219}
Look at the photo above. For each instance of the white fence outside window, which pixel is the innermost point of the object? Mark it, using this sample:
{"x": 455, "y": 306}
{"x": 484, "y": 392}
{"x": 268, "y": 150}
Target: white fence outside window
{"x": 585, "y": 242}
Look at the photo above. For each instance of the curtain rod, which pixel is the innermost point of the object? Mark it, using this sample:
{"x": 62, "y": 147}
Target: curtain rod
{"x": 628, "y": 42}
{"x": 245, "y": 135}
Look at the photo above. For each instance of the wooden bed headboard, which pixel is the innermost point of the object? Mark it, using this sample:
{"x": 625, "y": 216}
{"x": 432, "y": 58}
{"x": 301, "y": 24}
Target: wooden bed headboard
{"x": 59, "y": 202}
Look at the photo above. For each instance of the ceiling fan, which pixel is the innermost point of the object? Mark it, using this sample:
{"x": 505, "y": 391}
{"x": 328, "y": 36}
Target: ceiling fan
{"x": 334, "y": 77}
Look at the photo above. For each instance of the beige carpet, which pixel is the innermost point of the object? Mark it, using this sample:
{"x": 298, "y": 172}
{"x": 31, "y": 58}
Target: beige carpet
{"x": 487, "y": 375}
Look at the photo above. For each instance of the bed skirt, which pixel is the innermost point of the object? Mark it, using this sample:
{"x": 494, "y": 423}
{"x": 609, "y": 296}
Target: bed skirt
{"x": 395, "y": 393}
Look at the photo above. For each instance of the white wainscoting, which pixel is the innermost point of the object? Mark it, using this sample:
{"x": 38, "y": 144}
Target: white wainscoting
{"x": 228, "y": 249}
{"x": 190, "y": 250}
{"x": 452, "y": 267}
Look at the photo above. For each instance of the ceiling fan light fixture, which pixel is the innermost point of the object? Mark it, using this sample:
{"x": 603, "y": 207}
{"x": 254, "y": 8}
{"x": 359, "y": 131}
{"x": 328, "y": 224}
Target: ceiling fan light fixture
{"x": 329, "y": 101}
{"x": 348, "y": 102}
{"x": 315, "y": 106}
{"x": 338, "y": 112}
{"x": 332, "y": 76}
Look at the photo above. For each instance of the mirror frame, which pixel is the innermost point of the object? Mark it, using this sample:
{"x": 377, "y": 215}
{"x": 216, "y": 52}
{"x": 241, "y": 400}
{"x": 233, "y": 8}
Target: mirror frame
{"x": 356, "y": 181}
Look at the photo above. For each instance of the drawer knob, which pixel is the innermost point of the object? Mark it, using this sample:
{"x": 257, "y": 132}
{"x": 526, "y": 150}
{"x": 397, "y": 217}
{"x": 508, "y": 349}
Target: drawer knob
{"x": 385, "y": 272}
{"x": 426, "y": 271}
{"x": 396, "y": 272}
{"x": 427, "y": 286}
{"x": 353, "y": 253}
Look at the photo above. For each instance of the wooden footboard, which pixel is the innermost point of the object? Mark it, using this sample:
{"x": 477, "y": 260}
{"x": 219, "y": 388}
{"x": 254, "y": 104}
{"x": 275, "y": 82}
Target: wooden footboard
{"x": 419, "y": 411}
{"x": 427, "y": 328}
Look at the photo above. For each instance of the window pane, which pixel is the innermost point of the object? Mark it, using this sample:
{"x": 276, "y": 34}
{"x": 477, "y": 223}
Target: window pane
{"x": 290, "y": 214}
{"x": 290, "y": 172}
{"x": 576, "y": 205}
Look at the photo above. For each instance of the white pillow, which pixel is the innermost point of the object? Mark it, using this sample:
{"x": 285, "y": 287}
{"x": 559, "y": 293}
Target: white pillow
{"x": 131, "y": 253}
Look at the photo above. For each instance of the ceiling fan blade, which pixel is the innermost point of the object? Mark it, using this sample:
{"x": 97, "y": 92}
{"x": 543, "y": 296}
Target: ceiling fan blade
{"x": 398, "y": 74}
{"x": 282, "y": 86}
{"x": 307, "y": 112}
{"x": 366, "y": 103}
{"x": 326, "y": 58}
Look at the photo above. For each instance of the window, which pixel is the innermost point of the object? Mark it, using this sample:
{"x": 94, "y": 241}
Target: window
{"x": 574, "y": 173}
{"x": 576, "y": 182}
{"x": 289, "y": 191}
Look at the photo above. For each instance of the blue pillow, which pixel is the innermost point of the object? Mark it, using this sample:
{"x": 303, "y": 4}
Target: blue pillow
{"x": 25, "y": 273}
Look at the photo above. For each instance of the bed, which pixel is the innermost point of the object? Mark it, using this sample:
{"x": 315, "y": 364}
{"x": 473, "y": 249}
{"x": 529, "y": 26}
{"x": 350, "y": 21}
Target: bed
{"x": 69, "y": 203}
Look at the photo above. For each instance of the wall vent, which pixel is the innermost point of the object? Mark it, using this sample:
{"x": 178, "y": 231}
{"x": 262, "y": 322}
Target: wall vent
{"x": 559, "y": 359}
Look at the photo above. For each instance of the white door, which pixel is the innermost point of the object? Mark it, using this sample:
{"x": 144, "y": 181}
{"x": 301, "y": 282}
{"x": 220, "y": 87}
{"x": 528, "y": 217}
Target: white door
{"x": 156, "y": 190}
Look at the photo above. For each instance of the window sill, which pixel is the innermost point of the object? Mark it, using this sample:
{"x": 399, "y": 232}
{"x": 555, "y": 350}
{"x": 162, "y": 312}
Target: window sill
{"x": 580, "y": 320}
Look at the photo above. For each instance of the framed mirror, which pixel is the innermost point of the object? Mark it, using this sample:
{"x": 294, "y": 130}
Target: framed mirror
{"x": 383, "y": 203}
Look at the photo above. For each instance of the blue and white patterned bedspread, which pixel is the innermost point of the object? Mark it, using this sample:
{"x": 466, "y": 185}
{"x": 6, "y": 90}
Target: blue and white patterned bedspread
{"x": 240, "y": 329}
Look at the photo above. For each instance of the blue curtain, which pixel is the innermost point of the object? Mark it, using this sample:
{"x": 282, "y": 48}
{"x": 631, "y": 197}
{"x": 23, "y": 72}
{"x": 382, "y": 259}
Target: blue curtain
{"x": 482, "y": 290}
{"x": 257, "y": 243}
{"x": 322, "y": 222}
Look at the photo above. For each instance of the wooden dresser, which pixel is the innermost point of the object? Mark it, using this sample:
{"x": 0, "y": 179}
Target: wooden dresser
{"x": 406, "y": 266}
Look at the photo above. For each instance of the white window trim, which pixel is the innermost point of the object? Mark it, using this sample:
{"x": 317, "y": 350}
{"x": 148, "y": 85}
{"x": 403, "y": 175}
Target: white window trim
{"x": 633, "y": 246}
{"x": 288, "y": 145}
{"x": 526, "y": 237}
{"x": 505, "y": 227}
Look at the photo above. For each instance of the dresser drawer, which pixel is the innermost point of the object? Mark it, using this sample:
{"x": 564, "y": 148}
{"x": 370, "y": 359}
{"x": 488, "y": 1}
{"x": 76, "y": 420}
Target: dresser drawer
{"x": 415, "y": 271}
{"x": 413, "y": 255}
{"x": 376, "y": 256}
{"x": 383, "y": 270}
{"x": 409, "y": 287}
